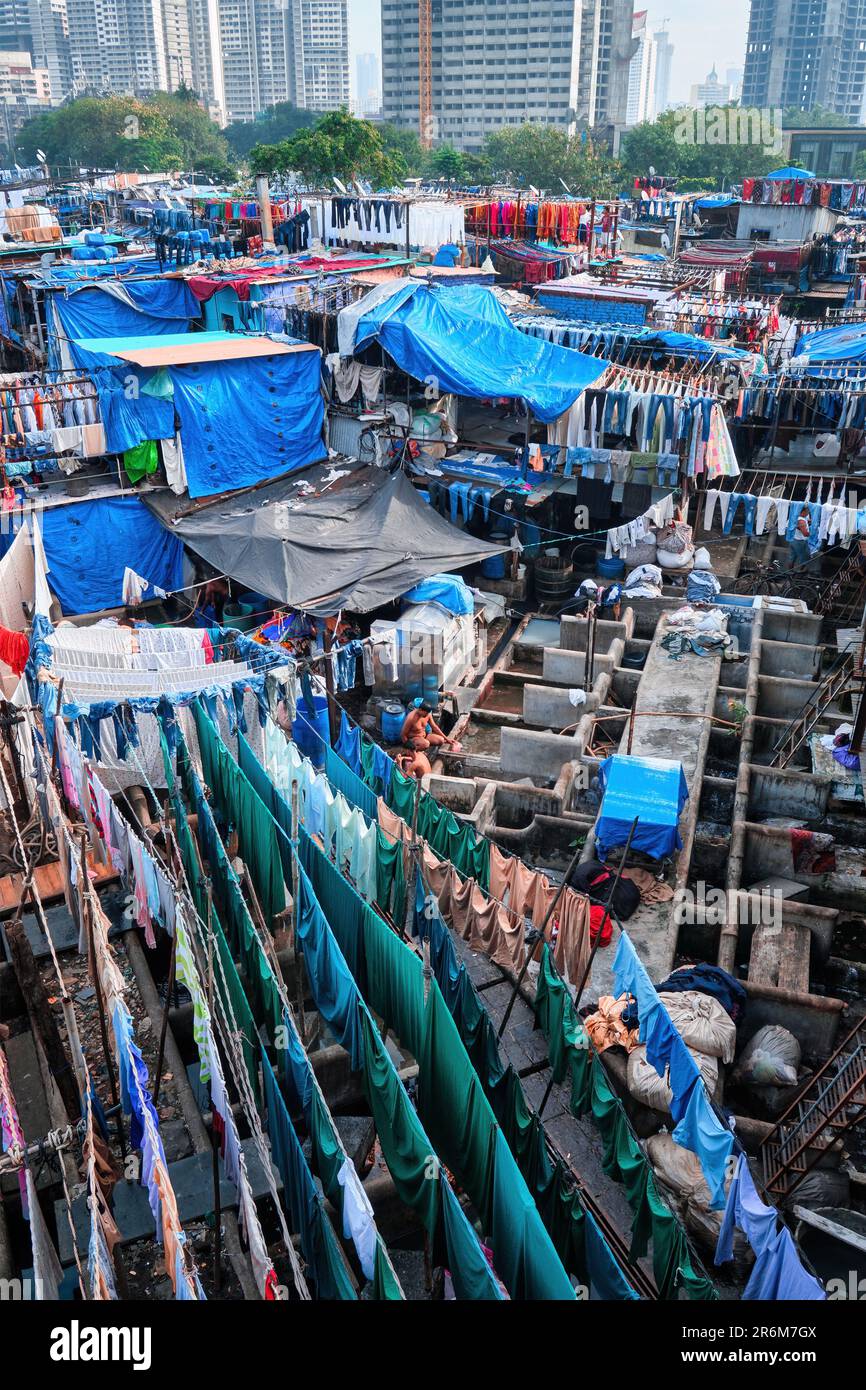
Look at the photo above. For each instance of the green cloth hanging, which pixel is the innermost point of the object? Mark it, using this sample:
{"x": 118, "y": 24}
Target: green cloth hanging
{"x": 390, "y": 876}
{"x": 471, "y": 1275}
{"x": 141, "y": 460}
{"x": 624, "y": 1160}
{"x": 245, "y": 810}
{"x": 407, "y": 1150}
{"x": 401, "y": 797}
{"x": 395, "y": 982}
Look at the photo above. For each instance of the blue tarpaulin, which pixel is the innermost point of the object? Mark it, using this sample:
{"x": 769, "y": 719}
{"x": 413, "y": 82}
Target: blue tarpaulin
{"x": 688, "y": 343}
{"x": 242, "y": 421}
{"x": 654, "y": 790}
{"x": 245, "y": 421}
{"x": 448, "y": 590}
{"x": 462, "y": 339}
{"x": 139, "y": 308}
{"x": 88, "y": 545}
{"x": 847, "y": 343}
{"x": 716, "y": 200}
{"x": 790, "y": 172}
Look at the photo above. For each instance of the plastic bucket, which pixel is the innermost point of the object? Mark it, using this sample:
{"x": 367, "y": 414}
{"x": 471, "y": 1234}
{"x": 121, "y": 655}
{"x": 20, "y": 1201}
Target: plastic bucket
{"x": 312, "y": 733}
{"x": 612, "y": 568}
{"x": 392, "y": 720}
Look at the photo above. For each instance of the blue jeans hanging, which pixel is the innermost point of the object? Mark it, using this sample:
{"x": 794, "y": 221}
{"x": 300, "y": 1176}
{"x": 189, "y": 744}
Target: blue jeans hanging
{"x": 750, "y": 505}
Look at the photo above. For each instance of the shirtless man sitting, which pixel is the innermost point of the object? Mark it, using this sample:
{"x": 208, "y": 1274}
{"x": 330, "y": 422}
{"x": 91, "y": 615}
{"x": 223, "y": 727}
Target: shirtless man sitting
{"x": 414, "y": 764}
{"x": 421, "y": 731}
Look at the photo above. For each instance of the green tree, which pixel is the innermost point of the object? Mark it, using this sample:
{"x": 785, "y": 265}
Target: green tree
{"x": 166, "y": 132}
{"x": 711, "y": 148}
{"x": 272, "y": 125}
{"x": 528, "y": 154}
{"x": 339, "y": 145}
{"x": 817, "y": 116}
{"x": 545, "y": 157}
{"x": 403, "y": 142}
{"x": 445, "y": 163}
{"x": 203, "y": 147}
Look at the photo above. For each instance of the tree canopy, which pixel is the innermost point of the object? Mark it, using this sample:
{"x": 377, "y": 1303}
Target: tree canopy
{"x": 338, "y": 145}
{"x": 720, "y": 145}
{"x": 272, "y": 125}
{"x": 168, "y": 131}
{"x": 542, "y": 155}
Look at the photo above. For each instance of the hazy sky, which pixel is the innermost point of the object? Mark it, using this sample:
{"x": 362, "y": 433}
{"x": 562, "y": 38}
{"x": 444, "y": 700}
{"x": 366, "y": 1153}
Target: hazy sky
{"x": 713, "y": 34}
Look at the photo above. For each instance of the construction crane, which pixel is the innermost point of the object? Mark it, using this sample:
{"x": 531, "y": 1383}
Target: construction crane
{"x": 425, "y": 80}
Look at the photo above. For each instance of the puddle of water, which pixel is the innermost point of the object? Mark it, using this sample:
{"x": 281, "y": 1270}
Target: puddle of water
{"x": 542, "y": 632}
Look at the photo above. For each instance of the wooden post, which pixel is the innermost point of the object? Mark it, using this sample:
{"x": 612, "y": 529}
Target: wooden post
{"x": 58, "y": 715}
{"x": 632, "y": 715}
{"x": 411, "y": 877}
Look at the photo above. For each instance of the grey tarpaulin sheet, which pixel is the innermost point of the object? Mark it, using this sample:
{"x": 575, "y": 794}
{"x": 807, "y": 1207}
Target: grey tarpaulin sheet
{"x": 356, "y": 543}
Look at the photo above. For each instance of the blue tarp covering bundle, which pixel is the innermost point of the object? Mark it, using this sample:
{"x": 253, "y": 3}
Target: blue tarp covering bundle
{"x": 88, "y": 545}
{"x": 847, "y": 343}
{"x": 448, "y": 590}
{"x": 463, "y": 339}
{"x": 138, "y": 308}
{"x": 687, "y": 343}
{"x": 242, "y": 421}
{"x": 655, "y": 790}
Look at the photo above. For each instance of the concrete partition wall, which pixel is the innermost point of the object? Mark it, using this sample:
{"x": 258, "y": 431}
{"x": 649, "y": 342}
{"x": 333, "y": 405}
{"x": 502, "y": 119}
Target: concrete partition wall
{"x": 780, "y": 697}
{"x": 524, "y": 753}
{"x": 573, "y": 632}
{"x": 777, "y": 792}
{"x": 549, "y": 707}
{"x": 569, "y": 667}
{"x": 792, "y": 659}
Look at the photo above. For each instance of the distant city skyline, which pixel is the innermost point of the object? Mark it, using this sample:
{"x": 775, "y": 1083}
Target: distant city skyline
{"x": 713, "y": 37}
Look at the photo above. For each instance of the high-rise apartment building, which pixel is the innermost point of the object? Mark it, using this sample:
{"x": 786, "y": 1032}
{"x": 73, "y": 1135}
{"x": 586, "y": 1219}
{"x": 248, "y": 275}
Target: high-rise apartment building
{"x": 807, "y": 53}
{"x": 284, "y": 50}
{"x": 49, "y": 29}
{"x": 664, "y": 68}
{"x": 240, "y": 56}
{"x": 642, "y": 73}
{"x": 257, "y": 41}
{"x": 491, "y": 64}
{"x": 206, "y": 57}
{"x": 118, "y": 46}
{"x": 323, "y": 81}
{"x": 367, "y": 94}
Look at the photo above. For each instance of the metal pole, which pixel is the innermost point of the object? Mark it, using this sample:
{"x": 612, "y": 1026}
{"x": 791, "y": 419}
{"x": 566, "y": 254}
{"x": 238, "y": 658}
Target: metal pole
{"x": 559, "y": 892}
